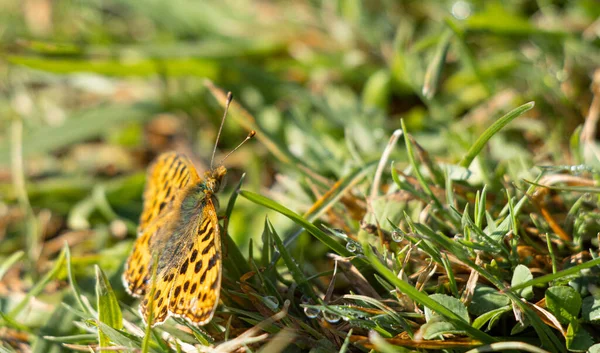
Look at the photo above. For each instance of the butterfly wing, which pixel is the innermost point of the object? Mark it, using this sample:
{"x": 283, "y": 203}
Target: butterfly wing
{"x": 195, "y": 292}
{"x": 170, "y": 174}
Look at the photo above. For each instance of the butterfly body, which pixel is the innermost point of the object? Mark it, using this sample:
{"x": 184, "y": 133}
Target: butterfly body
{"x": 178, "y": 227}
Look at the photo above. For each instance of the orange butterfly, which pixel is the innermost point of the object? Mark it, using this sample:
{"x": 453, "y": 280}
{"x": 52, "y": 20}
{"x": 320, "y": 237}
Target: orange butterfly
{"x": 179, "y": 227}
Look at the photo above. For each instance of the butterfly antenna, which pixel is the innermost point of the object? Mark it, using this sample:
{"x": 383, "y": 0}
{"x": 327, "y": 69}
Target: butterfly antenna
{"x": 227, "y": 103}
{"x": 250, "y": 135}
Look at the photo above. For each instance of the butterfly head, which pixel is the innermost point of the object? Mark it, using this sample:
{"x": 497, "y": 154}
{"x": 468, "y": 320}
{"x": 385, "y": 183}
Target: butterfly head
{"x": 213, "y": 178}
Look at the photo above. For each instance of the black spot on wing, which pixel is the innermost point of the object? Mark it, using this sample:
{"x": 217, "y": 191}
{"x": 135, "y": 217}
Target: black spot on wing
{"x": 213, "y": 261}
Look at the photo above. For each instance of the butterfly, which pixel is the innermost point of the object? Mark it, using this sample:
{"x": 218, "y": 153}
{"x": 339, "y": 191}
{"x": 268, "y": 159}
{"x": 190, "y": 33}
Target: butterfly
{"x": 179, "y": 229}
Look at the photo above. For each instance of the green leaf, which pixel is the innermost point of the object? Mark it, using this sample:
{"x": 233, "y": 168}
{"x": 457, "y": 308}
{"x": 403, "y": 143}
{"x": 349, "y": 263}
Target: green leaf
{"x": 109, "y": 312}
{"x": 564, "y": 302}
{"x": 590, "y": 309}
{"x": 595, "y": 348}
{"x": 487, "y": 299}
{"x": 437, "y": 327}
{"x": 437, "y": 324}
{"x": 522, "y": 274}
{"x": 578, "y": 339}
{"x": 451, "y": 303}
{"x": 490, "y": 316}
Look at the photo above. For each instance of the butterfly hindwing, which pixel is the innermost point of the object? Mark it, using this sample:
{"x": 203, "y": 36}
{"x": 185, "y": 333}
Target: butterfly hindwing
{"x": 195, "y": 292}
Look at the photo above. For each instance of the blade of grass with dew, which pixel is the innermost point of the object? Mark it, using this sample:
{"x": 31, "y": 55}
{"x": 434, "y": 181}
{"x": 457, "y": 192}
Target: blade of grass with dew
{"x": 290, "y": 263}
{"x": 330, "y": 198}
{"x": 311, "y": 228}
{"x": 379, "y": 305}
{"x": 109, "y": 311}
{"x": 423, "y": 299}
{"x": 491, "y": 131}
{"x": 39, "y": 286}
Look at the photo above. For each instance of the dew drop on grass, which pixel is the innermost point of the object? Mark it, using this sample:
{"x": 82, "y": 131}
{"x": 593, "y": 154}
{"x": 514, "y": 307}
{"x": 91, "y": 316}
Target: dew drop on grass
{"x": 397, "y": 236}
{"x": 351, "y": 246}
{"x": 331, "y": 317}
{"x": 305, "y": 299}
{"x": 311, "y": 313}
{"x": 271, "y": 302}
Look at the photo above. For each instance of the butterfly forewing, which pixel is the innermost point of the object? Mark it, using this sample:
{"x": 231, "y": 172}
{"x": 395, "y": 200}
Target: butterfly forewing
{"x": 170, "y": 174}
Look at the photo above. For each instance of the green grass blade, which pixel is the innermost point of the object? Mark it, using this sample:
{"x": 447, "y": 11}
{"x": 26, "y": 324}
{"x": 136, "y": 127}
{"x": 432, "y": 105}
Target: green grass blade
{"x": 416, "y": 169}
{"x": 292, "y": 266}
{"x": 108, "y": 306}
{"x": 74, "y": 286}
{"x": 39, "y": 286}
{"x": 11, "y": 260}
{"x": 311, "y": 228}
{"x": 434, "y": 70}
{"x": 491, "y": 131}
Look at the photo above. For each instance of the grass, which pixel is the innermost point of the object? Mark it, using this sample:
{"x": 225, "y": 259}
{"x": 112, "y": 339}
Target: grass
{"x": 423, "y": 177}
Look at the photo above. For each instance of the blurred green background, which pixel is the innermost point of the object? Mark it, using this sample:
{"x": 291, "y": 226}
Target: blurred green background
{"x": 91, "y": 91}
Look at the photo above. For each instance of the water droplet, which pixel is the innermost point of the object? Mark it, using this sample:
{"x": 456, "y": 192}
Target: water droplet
{"x": 397, "y": 235}
{"x": 461, "y": 10}
{"x": 331, "y": 317}
{"x": 340, "y": 232}
{"x": 271, "y": 302}
{"x": 305, "y": 299}
{"x": 311, "y": 313}
{"x": 351, "y": 246}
